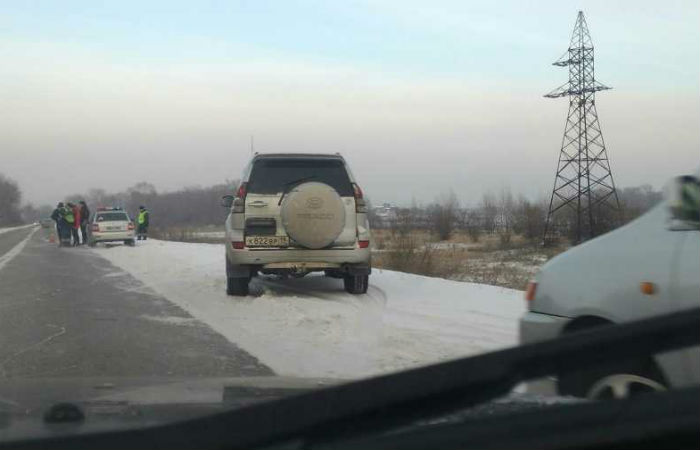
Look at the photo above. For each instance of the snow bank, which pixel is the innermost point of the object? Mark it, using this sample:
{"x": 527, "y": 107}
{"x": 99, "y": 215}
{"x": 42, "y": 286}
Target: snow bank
{"x": 311, "y": 327}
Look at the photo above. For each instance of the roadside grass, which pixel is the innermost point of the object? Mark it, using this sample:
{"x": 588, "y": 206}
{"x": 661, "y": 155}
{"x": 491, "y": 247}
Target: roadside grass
{"x": 209, "y": 234}
{"x": 488, "y": 261}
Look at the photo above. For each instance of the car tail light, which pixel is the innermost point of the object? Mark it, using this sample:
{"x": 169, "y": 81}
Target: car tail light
{"x": 95, "y": 227}
{"x": 130, "y": 226}
{"x": 238, "y": 245}
{"x": 360, "y": 205}
{"x": 239, "y": 201}
{"x": 363, "y": 244}
{"x": 531, "y": 291}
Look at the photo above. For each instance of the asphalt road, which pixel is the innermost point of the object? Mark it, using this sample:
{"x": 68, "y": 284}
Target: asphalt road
{"x": 66, "y": 312}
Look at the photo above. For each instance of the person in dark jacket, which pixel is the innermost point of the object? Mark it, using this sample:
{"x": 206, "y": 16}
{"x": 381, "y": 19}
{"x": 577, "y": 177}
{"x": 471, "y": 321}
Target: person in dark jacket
{"x": 143, "y": 220}
{"x": 56, "y": 216}
{"x": 84, "y": 218}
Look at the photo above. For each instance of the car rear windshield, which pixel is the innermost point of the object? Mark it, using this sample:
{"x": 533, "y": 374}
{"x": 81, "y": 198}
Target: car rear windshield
{"x": 272, "y": 176}
{"x": 111, "y": 217}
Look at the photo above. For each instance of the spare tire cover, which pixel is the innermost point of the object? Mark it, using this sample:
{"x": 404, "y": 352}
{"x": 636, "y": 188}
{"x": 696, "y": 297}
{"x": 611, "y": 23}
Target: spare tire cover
{"x": 313, "y": 214}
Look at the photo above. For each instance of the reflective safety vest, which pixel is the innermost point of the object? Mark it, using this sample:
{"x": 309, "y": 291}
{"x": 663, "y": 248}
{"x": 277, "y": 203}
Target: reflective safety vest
{"x": 68, "y": 215}
{"x": 142, "y": 217}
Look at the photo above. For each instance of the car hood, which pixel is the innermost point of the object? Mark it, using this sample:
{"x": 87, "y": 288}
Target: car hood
{"x": 36, "y": 393}
{"x": 567, "y": 281}
{"x": 120, "y": 403}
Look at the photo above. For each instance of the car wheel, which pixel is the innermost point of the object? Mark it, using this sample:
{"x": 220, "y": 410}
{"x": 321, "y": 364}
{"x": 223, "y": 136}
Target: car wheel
{"x": 91, "y": 243}
{"x": 614, "y": 381}
{"x": 356, "y": 284}
{"x": 130, "y": 242}
{"x": 237, "y": 286}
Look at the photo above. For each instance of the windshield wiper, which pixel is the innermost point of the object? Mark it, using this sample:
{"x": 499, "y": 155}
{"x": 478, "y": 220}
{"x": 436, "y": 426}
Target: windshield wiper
{"x": 386, "y": 402}
{"x": 290, "y": 185}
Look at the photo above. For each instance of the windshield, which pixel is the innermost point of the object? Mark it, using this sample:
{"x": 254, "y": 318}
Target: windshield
{"x": 111, "y": 217}
{"x": 207, "y": 205}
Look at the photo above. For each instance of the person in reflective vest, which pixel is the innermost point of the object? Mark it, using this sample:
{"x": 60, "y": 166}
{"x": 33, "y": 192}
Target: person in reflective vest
{"x": 66, "y": 220}
{"x": 143, "y": 220}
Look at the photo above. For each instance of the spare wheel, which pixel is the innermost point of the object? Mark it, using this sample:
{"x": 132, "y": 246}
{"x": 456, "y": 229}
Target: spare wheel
{"x": 313, "y": 214}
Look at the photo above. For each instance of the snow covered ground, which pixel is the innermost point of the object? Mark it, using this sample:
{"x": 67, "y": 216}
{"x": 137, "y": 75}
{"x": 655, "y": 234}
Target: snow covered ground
{"x": 311, "y": 327}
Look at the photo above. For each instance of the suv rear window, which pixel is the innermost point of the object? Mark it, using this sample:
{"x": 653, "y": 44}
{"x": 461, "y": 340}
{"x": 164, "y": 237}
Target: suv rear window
{"x": 272, "y": 176}
{"x": 111, "y": 217}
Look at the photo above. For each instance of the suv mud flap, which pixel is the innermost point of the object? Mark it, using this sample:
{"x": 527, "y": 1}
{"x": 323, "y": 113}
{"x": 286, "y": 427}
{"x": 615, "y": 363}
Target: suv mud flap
{"x": 355, "y": 269}
{"x": 237, "y": 271}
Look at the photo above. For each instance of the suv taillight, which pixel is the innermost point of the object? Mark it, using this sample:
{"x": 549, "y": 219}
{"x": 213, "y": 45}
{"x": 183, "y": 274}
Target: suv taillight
{"x": 130, "y": 226}
{"x": 360, "y": 205}
{"x": 95, "y": 227}
{"x": 239, "y": 201}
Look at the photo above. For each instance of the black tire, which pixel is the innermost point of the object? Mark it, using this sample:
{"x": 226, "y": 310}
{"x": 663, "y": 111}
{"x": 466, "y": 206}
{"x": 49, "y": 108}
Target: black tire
{"x": 91, "y": 243}
{"x": 130, "y": 242}
{"x": 235, "y": 285}
{"x": 590, "y": 382}
{"x": 356, "y": 284}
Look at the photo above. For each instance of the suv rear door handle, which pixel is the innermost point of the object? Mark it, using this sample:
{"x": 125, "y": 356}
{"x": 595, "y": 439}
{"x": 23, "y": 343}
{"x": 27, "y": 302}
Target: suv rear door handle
{"x": 258, "y": 204}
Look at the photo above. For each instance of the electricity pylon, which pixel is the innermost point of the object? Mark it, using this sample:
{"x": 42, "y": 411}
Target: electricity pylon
{"x": 583, "y": 182}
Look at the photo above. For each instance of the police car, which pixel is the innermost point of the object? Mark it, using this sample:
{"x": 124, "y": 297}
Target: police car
{"x": 111, "y": 225}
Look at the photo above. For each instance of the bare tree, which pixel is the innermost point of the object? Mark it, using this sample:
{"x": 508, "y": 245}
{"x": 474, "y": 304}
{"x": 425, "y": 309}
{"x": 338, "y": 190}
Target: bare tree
{"x": 506, "y": 215}
{"x": 10, "y": 199}
{"x": 530, "y": 218}
{"x": 443, "y": 215}
{"x": 471, "y": 220}
{"x": 489, "y": 212}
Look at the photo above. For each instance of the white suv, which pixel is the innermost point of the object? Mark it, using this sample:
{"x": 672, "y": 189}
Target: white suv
{"x": 294, "y": 214}
{"x": 111, "y": 225}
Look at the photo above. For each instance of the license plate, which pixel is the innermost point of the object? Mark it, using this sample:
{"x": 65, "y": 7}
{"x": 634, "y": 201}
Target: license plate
{"x": 113, "y": 228}
{"x": 267, "y": 241}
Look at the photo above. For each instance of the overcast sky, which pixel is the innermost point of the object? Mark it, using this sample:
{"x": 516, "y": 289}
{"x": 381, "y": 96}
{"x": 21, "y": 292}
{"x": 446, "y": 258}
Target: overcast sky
{"x": 420, "y": 96}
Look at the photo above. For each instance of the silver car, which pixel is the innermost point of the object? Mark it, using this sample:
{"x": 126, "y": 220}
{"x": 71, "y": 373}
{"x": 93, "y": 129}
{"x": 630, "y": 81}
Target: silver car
{"x": 295, "y": 214}
{"x": 111, "y": 225}
{"x": 648, "y": 267}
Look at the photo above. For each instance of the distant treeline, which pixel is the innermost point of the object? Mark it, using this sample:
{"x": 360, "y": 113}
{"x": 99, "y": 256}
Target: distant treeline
{"x": 501, "y": 213}
{"x": 190, "y": 206}
{"x": 506, "y": 215}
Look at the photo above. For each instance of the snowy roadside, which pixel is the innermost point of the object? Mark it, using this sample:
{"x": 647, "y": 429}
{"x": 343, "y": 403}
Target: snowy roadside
{"x": 311, "y": 327}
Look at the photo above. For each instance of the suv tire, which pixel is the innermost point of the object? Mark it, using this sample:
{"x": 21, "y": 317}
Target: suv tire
{"x": 356, "y": 284}
{"x": 235, "y": 285}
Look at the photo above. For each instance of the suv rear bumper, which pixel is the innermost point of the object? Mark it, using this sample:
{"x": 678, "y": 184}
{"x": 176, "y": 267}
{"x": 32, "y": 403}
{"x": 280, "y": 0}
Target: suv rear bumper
{"x": 341, "y": 262}
{"x": 261, "y": 257}
{"x": 112, "y": 236}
